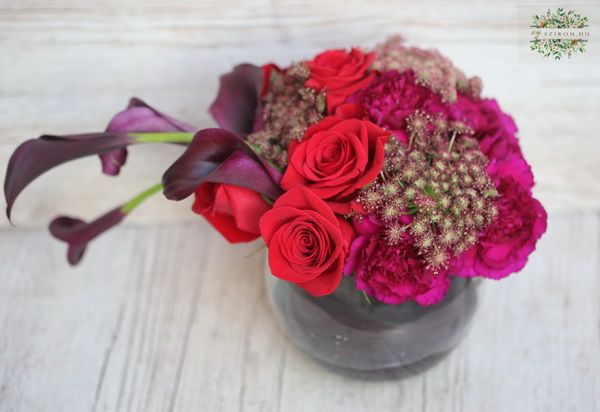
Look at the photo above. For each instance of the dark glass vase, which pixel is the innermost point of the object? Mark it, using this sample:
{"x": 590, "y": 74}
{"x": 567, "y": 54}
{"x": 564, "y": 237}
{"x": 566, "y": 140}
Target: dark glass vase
{"x": 373, "y": 340}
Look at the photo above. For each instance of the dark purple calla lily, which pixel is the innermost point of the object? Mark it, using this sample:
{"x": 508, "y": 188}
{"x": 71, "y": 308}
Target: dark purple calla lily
{"x": 78, "y": 233}
{"x": 237, "y": 102}
{"x": 138, "y": 117}
{"x": 113, "y": 161}
{"x": 34, "y": 157}
{"x": 216, "y": 155}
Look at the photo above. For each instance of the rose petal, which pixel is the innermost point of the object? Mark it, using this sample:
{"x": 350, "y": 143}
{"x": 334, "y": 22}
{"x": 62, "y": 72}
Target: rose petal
{"x": 323, "y": 285}
{"x": 246, "y": 205}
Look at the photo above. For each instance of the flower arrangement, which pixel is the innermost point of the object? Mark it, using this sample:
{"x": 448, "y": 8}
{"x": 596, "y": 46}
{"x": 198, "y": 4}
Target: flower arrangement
{"x": 385, "y": 165}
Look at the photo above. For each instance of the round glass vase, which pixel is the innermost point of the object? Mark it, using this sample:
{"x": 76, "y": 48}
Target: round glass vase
{"x": 368, "y": 339}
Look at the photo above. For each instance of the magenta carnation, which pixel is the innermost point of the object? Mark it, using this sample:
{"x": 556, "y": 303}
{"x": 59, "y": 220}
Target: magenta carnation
{"x": 495, "y": 130}
{"x": 397, "y": 274}
{"x": 365, "y": 227}
{"x": 514, "y": 166}
{"x": 510, "y": 239}
{"x": 393, "y": 96}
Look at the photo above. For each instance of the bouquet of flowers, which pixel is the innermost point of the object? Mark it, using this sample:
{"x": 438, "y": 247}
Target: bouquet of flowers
{"x": 385, "y": 165}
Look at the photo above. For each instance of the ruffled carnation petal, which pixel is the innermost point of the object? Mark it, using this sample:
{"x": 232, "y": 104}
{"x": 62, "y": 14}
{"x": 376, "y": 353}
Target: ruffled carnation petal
{"x": 397, "y": 274}
{"x": 508, "y": 241}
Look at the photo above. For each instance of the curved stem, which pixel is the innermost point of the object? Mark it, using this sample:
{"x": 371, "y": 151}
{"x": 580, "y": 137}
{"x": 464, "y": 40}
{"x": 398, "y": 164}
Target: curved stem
{"x": 135, "y": 201}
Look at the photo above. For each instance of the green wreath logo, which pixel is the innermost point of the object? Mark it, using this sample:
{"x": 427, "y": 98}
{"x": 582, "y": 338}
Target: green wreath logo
{"x": 549, "y": 42}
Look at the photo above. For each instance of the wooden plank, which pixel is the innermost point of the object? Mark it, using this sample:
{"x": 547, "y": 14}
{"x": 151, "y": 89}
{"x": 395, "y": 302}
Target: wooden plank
{"x": 68, "y": 65}
{"x": 171, "y": 317}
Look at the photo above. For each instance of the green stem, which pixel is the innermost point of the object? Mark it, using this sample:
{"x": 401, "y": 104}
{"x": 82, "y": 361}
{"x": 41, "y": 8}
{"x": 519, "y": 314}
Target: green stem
{"x": 135, "y": 202}
{"x": 268, "y": 200}
{"x": 451, "y": 142}
{"x": 263, "y": 246}
{"x": 170, "y": 137}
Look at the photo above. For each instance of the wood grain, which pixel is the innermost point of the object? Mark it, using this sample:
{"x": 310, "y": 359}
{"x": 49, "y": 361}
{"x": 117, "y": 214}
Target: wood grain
{"x": 164, "y": 315}
{"x": 68, "y": 65}
{"x": 172, "y": 317}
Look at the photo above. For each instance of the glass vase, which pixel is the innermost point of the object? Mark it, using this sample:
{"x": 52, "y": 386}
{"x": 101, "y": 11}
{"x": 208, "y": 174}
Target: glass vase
{"x": 368, "y": 339}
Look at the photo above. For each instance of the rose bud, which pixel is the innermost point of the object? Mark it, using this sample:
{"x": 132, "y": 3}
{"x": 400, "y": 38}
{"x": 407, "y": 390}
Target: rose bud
{"x": 307, "y": 243}
{"x": 340, "y": 73}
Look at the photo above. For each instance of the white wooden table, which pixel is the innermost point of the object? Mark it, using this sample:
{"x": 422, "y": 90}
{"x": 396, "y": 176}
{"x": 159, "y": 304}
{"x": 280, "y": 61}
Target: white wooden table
{"x": 174, "y": 318}
{"x": 163, "y": 314}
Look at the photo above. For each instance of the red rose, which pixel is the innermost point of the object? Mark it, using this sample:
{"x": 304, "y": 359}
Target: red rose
{"x": 234, "y": 211}
{"x": 335, "y": 158}
{"x": 340, "y": 73}
{"x": 307, "y": 242}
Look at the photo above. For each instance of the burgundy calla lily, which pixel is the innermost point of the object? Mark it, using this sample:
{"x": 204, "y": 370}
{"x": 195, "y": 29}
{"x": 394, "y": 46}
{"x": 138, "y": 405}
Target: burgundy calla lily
{"x": 78, "y": 233}
{"x": 219, "y": 156}
{"x": 138, "y": 117}
{"x": 34, "y": 157}
{"x": 237, "y": 102}
{"x": 113, "y": 161}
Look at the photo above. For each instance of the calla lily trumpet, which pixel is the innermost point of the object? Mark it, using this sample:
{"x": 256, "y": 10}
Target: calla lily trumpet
{"x": 139, "y": 123}
{"x": 78, "y": 233}
{"x": 237, "y": 105}
{"x": 218, "y": 156}
{"x": 212, "y": 155}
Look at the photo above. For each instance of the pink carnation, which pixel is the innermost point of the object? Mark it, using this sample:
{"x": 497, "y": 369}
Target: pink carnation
{"x": 397, "y": 274}
{"x": 514, "y": 166}
{"x": 495, "y": 130}
{"x": 393, "y": 96}
{"x": 510, "y": 239}
{"x": 365, "y": 227}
